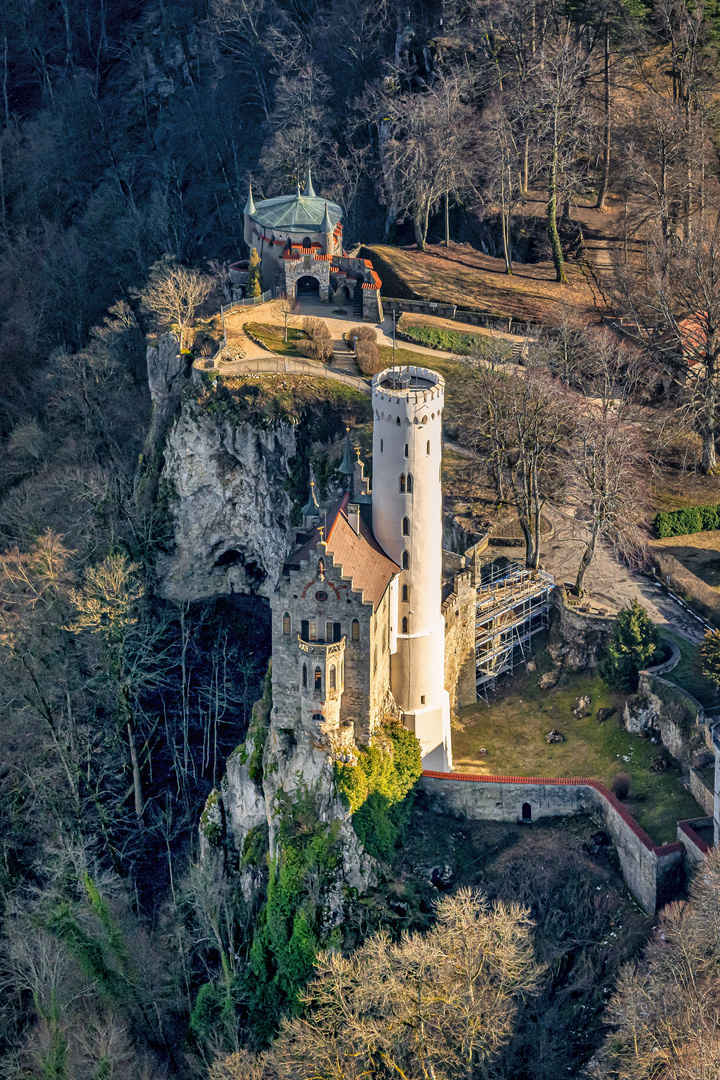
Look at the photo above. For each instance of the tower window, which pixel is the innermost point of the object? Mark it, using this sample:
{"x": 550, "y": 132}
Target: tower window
{"x": 402, "y": 483}
{"x": 286, "y": 624}
{"x": 332, "y": 677}
{"x": 318, "y": 679}
{"x": 409, "y": 483}
{"x": 355, "y": 630}
{"x": 381, "y": 446}
{"x": 405, "y": 560}
{"x": 384, "y": 640}
{"x": 375, "y": 658}
{"x": 405, "y": 594}
{"x": 304, "y": 676}
{"x": 397, "y": 421}
{"x": 427, "y": 451}
{"x": 404, "y": 624}
{"x": 407, "y": 450}
{"x": 424, "y": 420}
{"x": 422, "y": 699}
{"x": 406, "y": 526}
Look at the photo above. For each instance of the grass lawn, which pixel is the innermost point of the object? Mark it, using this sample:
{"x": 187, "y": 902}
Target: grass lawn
{"x": 464, "y": 344}
{"x": 273, "y": 338}
{"x": 513, "y": 729}
{"x": 688, "y": 674}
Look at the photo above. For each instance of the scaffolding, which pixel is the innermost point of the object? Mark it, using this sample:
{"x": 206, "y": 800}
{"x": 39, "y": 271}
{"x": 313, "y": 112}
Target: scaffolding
{"x": 513, "y": 604}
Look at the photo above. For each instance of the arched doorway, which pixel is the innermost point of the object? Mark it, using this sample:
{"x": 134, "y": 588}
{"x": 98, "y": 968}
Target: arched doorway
{"x": 526, "y": 812}
{"x": 346, "y": 292}
{"x": 308, "y": 286}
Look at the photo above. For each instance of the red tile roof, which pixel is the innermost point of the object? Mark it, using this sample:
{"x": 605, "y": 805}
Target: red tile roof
{"x": 358, "y": 555}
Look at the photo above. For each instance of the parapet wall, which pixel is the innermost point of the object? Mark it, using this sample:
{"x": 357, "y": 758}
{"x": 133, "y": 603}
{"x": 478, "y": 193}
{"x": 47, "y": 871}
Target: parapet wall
{"x": 652, "y": 873}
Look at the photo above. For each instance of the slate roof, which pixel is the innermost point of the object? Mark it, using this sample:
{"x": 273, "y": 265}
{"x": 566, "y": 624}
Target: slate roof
{"x": 295, "y": 212}
{"x": 359, "y": 555}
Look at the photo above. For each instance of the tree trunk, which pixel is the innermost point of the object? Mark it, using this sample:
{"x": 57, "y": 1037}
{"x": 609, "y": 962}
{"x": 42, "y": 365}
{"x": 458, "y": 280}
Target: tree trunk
{"x": 585, "y": 560}
{"x": 606, "y": 133}
{"x": 418, "y": 230}
{"x": 447, "y": 220}
{"x": 552, "y": 228}
{"x": 137, "y": 779}
{"x": 709, "y": 458}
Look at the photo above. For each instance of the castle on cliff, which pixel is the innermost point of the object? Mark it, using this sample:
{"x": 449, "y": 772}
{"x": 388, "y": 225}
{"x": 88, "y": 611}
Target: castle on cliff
{"x": 364, "y": 626}
{"x": 299, "y": 240}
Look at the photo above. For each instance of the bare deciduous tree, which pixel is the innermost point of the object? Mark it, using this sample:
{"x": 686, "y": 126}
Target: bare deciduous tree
{"x": 174, "y": 293}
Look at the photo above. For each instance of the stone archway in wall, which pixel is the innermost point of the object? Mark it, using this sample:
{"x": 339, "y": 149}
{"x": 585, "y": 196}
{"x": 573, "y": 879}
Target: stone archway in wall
{"x": 307, "y": 285}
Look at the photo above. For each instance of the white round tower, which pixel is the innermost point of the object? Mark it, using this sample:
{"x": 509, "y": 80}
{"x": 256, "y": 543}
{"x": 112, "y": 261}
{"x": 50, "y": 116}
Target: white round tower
{"x": 407, "y": 522}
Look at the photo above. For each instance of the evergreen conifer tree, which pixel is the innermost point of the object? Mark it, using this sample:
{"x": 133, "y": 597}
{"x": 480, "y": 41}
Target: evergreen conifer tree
{"x": 255, "y": 282}
{"x": 633, "y": 646}
{"x": 710, "y": 656}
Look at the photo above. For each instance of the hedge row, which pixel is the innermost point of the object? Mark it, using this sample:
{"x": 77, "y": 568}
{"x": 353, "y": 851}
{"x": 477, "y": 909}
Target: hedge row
{"x": 690, "y": 520}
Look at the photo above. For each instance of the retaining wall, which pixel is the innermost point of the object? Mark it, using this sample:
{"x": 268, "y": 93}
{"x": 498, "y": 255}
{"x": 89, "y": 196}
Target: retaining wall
{"x": 653, "y": 873}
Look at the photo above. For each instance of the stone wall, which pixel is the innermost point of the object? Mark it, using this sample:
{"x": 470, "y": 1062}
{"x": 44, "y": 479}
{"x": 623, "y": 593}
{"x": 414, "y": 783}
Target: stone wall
{"x": 679, "y": 718}
{"x": 459, "y": 614}
{"x": 577, "y": 638}
{"x": 701, "y": 792}
{"x": 652, "y": 873}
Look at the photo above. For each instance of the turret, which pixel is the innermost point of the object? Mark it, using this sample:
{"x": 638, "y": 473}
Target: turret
{"x": 407, "y": 523}
{"x": 347, "y": 465}
{"x": 248, "y": 213}
{"x": 309, "y": 189}
{"x": 311, "y": 509}
{"x": 327, "y": 230}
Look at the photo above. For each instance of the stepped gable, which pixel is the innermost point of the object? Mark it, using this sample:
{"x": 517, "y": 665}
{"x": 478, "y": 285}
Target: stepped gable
{"x": 358, "y": 554}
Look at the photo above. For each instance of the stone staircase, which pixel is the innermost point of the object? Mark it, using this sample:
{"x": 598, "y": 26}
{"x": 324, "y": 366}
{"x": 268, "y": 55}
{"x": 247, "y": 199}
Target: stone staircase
{"x": 358, "y": 301}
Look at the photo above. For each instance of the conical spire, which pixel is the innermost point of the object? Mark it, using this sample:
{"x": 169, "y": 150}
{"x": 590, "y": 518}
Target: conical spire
{"x": 250, "y": 205}
{"x": 347, "y": 465}
{"x": 326, "y": 226}
{"x": 309, "y": 189}
{"x": 312, "y": 507}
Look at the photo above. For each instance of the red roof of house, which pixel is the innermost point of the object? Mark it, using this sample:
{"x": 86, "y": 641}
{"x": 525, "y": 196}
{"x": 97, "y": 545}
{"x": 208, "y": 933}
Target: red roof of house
{"x": 358, "y": 555}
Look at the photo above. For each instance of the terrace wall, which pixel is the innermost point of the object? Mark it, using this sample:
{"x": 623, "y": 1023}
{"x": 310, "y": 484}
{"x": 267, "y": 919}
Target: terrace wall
{"x": 652, "y": 873}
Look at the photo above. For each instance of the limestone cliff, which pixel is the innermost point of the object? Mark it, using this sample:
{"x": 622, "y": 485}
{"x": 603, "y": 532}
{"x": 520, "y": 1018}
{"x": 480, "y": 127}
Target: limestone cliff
{"x": 229, "y": 505}
{"x": 278, "y": 773}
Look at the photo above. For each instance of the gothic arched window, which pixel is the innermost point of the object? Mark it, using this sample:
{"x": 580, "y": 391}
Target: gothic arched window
{"x": 318, "y": 679}
{"x": 409, "y": 483}
{"x": 405, "y": 560}
{"x": 397, "y": 421}
{"x": 405, "y": 625}
{"x": 406, "y": 526}
{"x": 402, "y": 483}
{"x": 405, "y": 594}
{"x": 355, "y": 630}
{"x": 286, "y": 623}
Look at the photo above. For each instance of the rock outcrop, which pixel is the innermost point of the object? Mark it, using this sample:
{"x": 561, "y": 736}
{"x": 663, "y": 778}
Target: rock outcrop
{"x": 225, "y": 482}
{"x": 168, "y": 374}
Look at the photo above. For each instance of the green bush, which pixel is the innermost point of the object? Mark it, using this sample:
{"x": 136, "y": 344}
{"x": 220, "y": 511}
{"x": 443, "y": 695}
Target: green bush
{"x": 376, "y": 789}
{"x": 634, "y": 645}
{"x": 691, "y": 519}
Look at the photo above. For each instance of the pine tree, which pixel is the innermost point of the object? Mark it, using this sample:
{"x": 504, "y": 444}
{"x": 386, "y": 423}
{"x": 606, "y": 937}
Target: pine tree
{"x": 710, "y": 656}
{"x": 633, "y": 646}
{"x": 255, "y": 282}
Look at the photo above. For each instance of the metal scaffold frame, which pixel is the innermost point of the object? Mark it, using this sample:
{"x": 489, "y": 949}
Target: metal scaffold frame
{"x": 513, "y": 604}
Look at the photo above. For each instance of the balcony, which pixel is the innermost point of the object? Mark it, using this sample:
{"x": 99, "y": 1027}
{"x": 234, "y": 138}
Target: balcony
{"x": 322, "y": 648}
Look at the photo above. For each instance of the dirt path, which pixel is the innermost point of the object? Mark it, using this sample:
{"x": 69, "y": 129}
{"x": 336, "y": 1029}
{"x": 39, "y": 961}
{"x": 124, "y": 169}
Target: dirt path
{"x": 609, "y": 584}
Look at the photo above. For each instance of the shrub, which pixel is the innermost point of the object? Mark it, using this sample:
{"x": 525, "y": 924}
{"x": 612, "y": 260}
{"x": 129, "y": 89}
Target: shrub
{"x": 690, "y": 519}
{"x": 621, "y": 786}
{"x": 634, "y": 645}
{"x": 376, "y": 789}
{"x": 319, "y": 345}
{"x": 364, "y": 340}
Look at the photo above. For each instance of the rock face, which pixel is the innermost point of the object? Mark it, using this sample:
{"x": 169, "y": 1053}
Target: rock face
{"x": 277, "y": 771}
{"x": 230, "y": 509}
{"x": 168, "y": 374}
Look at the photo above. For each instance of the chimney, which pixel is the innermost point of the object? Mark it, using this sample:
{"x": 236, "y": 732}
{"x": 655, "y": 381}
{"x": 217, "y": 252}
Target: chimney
{"x": 353, "y": 512}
